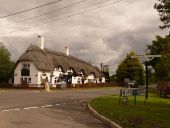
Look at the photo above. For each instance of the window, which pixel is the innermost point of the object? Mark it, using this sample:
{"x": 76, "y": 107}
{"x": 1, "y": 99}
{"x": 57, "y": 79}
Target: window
{"x": 21, "y": 80}
{"x": 25, "y": 65}
{"x": 25, "y": 71}
{"x": 29, "y": 80}
{"x": 56, "y": 80}
{"x": 58, "y": 68}
{"x": 25, "y": 80}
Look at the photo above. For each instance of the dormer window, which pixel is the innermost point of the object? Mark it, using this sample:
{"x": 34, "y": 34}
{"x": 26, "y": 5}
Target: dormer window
{"x": 58, "y": 68}
{"x": 25, "y": 66}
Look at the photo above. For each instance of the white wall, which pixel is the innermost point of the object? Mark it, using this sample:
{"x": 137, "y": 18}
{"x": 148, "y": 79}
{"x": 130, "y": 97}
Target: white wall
{"x": 33, "y": 73}
{"x": 77, "y": 80}
{"x": 40, "y": 76}
{"x": 56, "y": 74}
{"x": 36, "y": 76}
{"x": 90, "y": 79}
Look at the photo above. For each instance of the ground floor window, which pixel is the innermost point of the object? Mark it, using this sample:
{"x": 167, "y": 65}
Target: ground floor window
{"x": 56, "y": 80}
{"x": 29, "y": 80}
{"x": 25, "y": 80}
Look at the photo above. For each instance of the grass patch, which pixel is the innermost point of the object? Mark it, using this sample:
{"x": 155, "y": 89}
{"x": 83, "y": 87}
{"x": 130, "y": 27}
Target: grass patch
{"x": 155, "y": 114}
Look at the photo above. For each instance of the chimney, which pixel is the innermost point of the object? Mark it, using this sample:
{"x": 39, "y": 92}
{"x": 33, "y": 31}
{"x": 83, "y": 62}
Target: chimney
{"x": 66, "y": 51}
{"x": 41, "y": 41}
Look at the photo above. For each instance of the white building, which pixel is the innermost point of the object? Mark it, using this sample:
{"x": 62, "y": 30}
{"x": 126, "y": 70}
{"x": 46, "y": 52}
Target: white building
{"x": 38, "y": 64}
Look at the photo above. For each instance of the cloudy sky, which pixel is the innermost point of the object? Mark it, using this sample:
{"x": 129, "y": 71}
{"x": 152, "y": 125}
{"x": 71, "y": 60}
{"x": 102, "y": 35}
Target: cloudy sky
{"x": 94, "y": 30}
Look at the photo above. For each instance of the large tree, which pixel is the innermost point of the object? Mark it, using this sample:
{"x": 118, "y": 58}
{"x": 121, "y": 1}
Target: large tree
{"x": 130, "y": 68}
{"x": 162, "y": 69}
{"x": 161, "y": 46}
{"x": 163, "y": 7}
{"x": 5, "y": 64}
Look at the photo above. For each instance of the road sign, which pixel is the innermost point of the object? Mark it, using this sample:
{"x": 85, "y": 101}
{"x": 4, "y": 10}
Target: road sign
{"x": 125, "y": 92}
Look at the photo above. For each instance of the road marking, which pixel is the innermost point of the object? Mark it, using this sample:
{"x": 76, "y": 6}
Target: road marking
{"x": 30, "y": 108}
{"x": 27, "y": 108}
{"x": 16, "y": 109}
{"x": 48, "y": 105}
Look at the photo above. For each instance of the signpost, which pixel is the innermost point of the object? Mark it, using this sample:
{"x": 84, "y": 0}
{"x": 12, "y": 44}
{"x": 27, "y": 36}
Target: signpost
{"x": 124, "y": 93}
{"x": 146, "y": 59}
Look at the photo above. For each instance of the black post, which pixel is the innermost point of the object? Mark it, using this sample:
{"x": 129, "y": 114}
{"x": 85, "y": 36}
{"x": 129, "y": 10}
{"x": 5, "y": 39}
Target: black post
{"x": 101, "y": 64}
{"x": 101, "y": 67}
{"x": 146, "y": 68}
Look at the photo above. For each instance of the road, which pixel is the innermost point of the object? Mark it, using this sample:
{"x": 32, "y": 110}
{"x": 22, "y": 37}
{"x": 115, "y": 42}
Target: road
{"x": 56, "y": 109}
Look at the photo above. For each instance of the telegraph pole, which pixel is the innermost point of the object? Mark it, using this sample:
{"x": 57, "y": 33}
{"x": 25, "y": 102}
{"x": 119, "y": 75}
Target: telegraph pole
{"x": 101, "y": 64}
{"x": 146, "y": 69}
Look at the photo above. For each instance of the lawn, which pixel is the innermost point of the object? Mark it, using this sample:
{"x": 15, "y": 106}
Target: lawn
{"x": 154, "y": 114}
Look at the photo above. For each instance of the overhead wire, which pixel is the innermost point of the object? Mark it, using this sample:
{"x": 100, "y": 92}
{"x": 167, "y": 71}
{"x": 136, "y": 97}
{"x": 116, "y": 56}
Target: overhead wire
{"x": 30, "y": 9}
{"x": 66, "y": 17}
{"x": 53, "y": 11}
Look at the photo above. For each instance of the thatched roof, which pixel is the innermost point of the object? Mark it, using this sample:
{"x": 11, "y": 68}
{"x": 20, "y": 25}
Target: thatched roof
{"x": 47, "y": 60}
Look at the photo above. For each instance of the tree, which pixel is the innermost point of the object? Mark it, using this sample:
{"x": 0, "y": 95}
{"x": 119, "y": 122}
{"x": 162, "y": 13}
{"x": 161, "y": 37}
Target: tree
{"x": 5, "y": 64}
{"x": 130, "y": 68}
{"x": 161, "y": 46}
{"x": 107, "y": 76}
{"x": 163, "y": 7}
{"x": 162, "y": 69}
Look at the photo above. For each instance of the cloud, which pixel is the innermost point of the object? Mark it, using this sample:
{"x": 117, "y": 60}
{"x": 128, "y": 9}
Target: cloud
{"x": 103, "y": 35}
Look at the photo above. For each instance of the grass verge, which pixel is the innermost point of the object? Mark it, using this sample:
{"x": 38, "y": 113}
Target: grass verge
{"x": 155, "y": 114}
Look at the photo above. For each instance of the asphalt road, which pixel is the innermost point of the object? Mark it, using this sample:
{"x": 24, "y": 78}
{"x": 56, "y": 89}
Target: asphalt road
{"x": 58, "y": 109}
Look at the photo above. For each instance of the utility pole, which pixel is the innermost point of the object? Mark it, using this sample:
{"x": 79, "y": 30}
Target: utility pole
{"x": 146, "y": 69}
{"x": 146, "y": 59}
{"x": 101, "y": 64}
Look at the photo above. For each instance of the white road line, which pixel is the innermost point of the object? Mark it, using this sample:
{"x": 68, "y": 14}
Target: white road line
{"x": 16, "y": 109}
{"x": 45, "y": 106}
{"x": 27, "y": 108}
{"x": 30, "y": 108}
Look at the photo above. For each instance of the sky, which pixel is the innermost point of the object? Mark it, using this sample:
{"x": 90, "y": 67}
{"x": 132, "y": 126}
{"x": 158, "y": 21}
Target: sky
{"x": 97, "y": 31}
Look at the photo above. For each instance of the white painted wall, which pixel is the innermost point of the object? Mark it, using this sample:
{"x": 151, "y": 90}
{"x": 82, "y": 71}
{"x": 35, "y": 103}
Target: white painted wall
{"x": 33, "y": 73}
{"x": 36, "y": 76}
{"x": 56, "y": 74}
{"x": 40, "y": 76}
{"x": 77, "y": 80}
{"x": 103, "y": 79}
{"x": 90, "y": 78}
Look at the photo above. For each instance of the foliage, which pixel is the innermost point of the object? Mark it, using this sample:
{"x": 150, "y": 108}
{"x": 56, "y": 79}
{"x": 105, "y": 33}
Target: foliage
{"x": 161, "y": 46}
{"x": 5, "y": 64}
{"x": 130, "y": 68}
{"x": 113, "y": 77}
{"x": 162, "y": 69}
{"x": 107, "y": 76}
{"x": 163, "y": 7}
{"x": 155, "y": 114}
